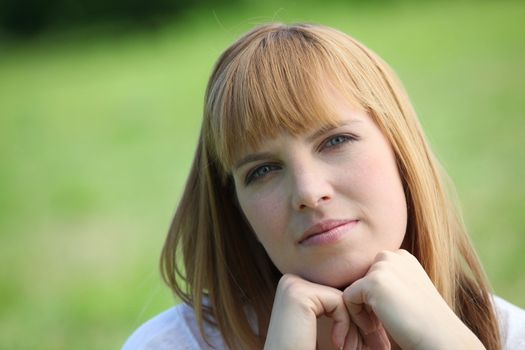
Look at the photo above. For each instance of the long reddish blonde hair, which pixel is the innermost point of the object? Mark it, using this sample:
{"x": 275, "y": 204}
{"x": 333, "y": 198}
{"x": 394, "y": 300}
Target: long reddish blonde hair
{"x": 275, "y": 78}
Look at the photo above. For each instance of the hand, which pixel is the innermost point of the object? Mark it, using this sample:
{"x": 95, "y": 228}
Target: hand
{"x": 297, "y": 305}
{"x": 397, "y": 293}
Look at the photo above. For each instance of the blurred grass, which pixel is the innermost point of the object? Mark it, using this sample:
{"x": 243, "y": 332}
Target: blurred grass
{"x": 97, "y": 131}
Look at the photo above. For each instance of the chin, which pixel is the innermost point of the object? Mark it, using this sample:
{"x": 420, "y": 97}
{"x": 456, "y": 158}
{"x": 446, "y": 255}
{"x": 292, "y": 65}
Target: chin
{"x": 337, "y": 282}
{"x": 338, "y": 278}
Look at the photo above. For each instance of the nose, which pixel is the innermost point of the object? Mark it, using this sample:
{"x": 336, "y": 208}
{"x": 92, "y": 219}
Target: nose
{"x": 310, "y": 189}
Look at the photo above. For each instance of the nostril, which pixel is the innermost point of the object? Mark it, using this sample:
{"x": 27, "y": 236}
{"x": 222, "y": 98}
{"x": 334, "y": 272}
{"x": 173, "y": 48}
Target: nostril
{"x": 313, "y": 203}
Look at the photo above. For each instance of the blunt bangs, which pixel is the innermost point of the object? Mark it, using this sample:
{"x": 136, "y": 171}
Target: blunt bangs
{"x": 283, "y": 78}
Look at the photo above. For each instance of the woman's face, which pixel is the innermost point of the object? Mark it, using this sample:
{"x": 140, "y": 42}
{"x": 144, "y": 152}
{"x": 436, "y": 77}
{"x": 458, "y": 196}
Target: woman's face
{"x": 324, "y": 203}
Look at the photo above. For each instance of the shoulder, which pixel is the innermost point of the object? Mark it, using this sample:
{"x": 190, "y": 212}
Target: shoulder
{"x": 511, "y": 320}
{"x": 175, "y": 328}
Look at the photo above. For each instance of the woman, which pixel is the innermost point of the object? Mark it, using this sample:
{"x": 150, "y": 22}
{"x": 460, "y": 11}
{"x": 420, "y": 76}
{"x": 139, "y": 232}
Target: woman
{"x": 315, "y": 215}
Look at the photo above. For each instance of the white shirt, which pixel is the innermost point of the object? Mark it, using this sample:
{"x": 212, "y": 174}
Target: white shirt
{"x": 177, "y": 329}
{"x": 511, "y": 324}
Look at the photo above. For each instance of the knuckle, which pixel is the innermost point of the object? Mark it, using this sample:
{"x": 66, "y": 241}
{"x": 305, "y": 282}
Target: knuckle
{"x": 405, "y": 253}
{"x": 295, "y": 292}
{"x": 348, "y": 295}
{"x": 378, "y": 279}
{"x": 381, "y": 266}
{"x": 289, "y": 284}
{"x": 288, "y": 280}
{"x": 384, "y": 255}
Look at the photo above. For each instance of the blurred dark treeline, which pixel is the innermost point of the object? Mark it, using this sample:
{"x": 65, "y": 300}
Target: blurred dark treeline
{"x": 26, "y": 18}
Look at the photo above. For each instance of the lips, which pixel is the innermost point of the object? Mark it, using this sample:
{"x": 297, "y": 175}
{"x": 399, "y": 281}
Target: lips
{"x": 326, "y": 231}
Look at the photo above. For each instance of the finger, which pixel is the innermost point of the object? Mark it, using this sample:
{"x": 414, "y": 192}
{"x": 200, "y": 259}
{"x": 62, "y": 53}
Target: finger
{"x": 341, "y": 321}
{"x": 374, "y": 336}
{"x": 355, "y": 300}
{"x": 330, "y": 303}
{"x": 360, "y": 344}
{"x": 377, "y": 339}
{"x": 371, "y": 330}
{"x": 352, "y": 338}
{"x": 384, "y": 336}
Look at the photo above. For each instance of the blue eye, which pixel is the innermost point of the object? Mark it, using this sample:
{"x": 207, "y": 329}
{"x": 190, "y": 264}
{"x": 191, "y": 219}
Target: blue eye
{"x": 260, "y": 172}
{"x": 337, "y": 140}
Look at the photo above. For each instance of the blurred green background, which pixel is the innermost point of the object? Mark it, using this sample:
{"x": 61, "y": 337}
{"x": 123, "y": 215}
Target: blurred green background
{"x": 98, "y": 124}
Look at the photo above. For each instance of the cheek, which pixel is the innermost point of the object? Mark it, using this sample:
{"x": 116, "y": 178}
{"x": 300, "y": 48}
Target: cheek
{"x": 266, "y": 214}
{"x": 380, "y": 189}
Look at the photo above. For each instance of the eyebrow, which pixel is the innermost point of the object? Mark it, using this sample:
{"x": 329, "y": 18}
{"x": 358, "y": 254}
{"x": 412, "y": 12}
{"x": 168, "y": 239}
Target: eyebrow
{"x": 252, "y": 158}
{"x": 323, "y": 130}
{"x": 327, "y": 128}
{"x": 265, "y": 155}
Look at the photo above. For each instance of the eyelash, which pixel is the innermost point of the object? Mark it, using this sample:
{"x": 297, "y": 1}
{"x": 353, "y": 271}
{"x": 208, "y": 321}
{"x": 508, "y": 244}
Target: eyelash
{"x": 346, "y": 138}
{"x": 252, "y": 175}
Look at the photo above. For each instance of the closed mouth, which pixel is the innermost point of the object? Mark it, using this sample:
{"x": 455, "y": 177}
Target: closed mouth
{"x": 329, "y": 229}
